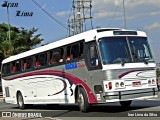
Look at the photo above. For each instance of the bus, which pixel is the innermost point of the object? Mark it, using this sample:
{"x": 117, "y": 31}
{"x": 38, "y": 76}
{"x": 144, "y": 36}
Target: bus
{"x": 94, "y": 67}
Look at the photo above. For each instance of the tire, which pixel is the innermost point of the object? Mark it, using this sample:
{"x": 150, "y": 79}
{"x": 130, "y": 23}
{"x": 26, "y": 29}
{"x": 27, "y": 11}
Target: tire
{"x": 82, "y": 100}
{"x": 126, "y": 103}
{"x": 20, "y": 101}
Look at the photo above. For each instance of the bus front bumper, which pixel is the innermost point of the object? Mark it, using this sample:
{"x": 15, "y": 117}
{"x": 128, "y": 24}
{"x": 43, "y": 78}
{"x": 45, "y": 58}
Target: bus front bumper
{"x": 131, "y": 95}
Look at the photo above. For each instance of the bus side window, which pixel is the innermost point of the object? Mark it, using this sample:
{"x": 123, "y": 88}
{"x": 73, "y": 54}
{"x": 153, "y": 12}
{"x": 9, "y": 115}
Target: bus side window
{"x": 75, "y": 51}
{"x": 61, "y": 55}
{"x": 51, "y": 57}
{"x": 37, "y": 63}
{"x": 18, "y": 66}
{"x": 42, "y": 59}
{"x": 68, "y": 55}
{"x": 81, "y": 49}
{"x": 24, "y": 64}
{"x": 29, "y": 63}
{"x": 14, "y": 67}
{"x": 6, "y": 69}
{"x": 56, "y": 56}
{"x": 93, "y": 56}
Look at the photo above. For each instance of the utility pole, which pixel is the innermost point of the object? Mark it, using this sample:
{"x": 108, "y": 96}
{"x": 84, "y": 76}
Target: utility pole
{"x": 9, "y": 33}
{"x": 79, "y": 16}
{"x": 80, "y": 11}
{"x": 124, "y": 12}
{"x": 9, "y": 25}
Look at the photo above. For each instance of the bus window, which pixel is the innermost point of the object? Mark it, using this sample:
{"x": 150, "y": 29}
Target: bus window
{"x": 6, "y": 69}
{"x": 56, "y": 56}
{"x": 81, "y": 49}
{"x": 61, "y": 55}
{"x": 37, "y": 63}
{"x": 68, "y": 56}
{"x": 75, "y": 51}
{"x": 94, "y": 61}
{"x": 50, "y": 57}
{"x": 13, "y": 67}
{"x": 24, "y": 64}
{"x": 29, "y": 63}
{"x": 18, "y": 66}
{"x": 43, "y": 59}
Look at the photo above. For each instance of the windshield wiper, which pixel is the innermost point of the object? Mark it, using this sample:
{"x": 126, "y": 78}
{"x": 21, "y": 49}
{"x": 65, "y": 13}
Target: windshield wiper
{"x": 143, "y": 60}
{"x": 119, "y": 60}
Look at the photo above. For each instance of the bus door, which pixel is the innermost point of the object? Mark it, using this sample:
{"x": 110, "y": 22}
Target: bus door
{"x": 94, "y": 67}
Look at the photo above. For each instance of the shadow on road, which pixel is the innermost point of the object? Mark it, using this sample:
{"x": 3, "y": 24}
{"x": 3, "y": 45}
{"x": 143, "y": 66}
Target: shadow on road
{"x": 108, "y": 107}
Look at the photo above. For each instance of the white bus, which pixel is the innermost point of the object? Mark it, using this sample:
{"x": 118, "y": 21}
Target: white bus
{"x": 97, "y": 66}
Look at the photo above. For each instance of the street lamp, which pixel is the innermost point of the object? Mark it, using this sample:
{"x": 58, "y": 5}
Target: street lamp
{"x": 5, "y": 5}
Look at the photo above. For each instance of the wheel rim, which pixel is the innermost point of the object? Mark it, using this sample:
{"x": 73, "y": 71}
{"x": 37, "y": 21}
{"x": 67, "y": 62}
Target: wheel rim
{"x": 81, "y": 100}
{"x": 20, "y": 100}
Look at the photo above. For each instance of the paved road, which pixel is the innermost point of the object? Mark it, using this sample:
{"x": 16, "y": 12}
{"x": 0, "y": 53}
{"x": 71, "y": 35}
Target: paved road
{"x": 101, "y": 112}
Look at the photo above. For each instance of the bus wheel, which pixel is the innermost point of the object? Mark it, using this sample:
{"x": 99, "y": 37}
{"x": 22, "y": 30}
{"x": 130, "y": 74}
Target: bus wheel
{"x": 20, "y": 101}
{"x": 82, "y": 100}
{"x": 125, "y": 103}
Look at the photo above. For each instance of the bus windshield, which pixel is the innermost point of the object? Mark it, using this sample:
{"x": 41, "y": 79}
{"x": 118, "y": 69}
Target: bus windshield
{"x": 124, "y": 50}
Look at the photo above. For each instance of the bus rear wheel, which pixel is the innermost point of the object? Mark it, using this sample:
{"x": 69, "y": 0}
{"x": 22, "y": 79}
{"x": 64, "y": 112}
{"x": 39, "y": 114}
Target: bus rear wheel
{"x": 125, "y": 103}
{"x": 82, "y": 100}
{"x": 20, "y": 101}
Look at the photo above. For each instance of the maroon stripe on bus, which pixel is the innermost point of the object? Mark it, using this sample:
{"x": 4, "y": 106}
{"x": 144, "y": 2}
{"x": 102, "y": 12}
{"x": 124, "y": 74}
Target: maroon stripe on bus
{"x": 68, "y": 76}
{"x": 122, "y": 75}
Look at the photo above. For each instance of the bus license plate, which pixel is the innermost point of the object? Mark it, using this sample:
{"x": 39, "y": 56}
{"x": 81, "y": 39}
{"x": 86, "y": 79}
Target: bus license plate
{"x": 136, "y": 84}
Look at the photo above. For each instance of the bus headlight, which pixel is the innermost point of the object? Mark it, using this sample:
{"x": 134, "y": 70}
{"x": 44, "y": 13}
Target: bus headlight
{"x": 153, "y": 82}
{"x": 117, "y": 84}
{"x": 149, "y": 82}
{"x": 122, "y": 84}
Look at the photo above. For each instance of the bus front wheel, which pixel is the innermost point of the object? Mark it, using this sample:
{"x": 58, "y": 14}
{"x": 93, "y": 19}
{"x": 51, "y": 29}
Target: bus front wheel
{"x": 82, "y": 100}
{"x": 20, "y": 101}
{"x": 125, "y": 103}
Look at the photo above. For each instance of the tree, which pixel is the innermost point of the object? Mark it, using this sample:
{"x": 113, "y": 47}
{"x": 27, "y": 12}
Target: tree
{"x": 26, "y": 40}
{"x": 158, "y": 72}
{"x": 21, "y": 40}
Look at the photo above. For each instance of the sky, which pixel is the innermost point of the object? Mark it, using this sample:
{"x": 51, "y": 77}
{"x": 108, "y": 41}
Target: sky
{"x": 141, "y": 15}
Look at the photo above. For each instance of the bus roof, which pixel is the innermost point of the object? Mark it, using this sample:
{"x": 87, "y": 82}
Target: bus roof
{"x": 87, "y": 36}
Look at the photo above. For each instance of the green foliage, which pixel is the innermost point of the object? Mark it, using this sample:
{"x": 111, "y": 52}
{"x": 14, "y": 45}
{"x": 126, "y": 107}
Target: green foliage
{"x": 158, "y": 72}
{"x": 21, "y": 40}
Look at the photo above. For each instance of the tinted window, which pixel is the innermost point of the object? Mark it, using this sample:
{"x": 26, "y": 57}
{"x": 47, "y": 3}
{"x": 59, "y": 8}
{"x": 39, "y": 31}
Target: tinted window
{"x": 43, "y": 59}
{"x": 75, "y": 51}
{"x": 6, "y": 69}
{"x": 26, "y": 63}
{"x": 93, "y": 56}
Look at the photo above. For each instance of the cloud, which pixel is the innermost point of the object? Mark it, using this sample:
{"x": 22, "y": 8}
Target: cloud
{"x": 62, "y": 13}
{"x": 134, "y": 8}
{"x": 136, "y": 3}
{"x": 153, "y": 26}
{"x": 155, "y": 13}
{"x": 105, "y": 14}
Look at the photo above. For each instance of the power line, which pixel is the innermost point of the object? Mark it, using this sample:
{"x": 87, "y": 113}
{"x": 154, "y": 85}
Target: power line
{"x": 114, "y": 13}
{"x": 53, "y": 18}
